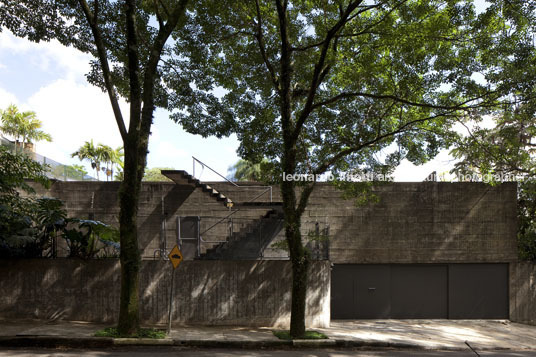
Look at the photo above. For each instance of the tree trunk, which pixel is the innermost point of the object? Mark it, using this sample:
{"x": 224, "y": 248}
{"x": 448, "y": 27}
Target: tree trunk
{"x": 300, "y": 265}
{"x": 299, "y": 259}
{"x": 129, "y": 320}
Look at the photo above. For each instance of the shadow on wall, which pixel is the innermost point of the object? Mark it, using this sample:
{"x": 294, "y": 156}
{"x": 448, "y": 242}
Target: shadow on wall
{"x": 428, "y": 222}
{"x": 245, "y": 293}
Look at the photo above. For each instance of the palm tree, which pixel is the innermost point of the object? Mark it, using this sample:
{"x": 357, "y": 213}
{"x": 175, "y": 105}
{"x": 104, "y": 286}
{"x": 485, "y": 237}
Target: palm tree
{"x": 88, "y": 151}
{"x": 23, "y": 127}
{"x": 111, "y": 157}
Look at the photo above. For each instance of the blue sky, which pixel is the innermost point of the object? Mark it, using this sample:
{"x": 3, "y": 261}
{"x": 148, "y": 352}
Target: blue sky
{"x": 48, "y": 78}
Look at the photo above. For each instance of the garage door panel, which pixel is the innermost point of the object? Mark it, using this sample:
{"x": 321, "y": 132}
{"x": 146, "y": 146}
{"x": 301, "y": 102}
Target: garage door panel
{"x": 419, "y": 291}
{"x": 342, "y": 292}
{"x": 372, "y": 292}
{"x": 457, "y": 291}
{"x": 478, "y": 291}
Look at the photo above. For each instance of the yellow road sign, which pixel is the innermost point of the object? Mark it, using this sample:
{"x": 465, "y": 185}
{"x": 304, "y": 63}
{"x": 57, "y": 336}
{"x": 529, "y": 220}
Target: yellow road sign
{"x": 175, "y": 256}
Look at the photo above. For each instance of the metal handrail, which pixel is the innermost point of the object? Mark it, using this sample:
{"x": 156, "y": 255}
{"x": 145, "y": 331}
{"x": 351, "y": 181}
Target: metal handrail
{"x": 210, "y": 168}
{"x": 269, "y": 188}
{"x": 233, "y": 212}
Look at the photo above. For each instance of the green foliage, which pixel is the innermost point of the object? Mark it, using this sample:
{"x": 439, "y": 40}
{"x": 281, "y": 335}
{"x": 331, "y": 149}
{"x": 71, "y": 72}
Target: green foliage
{"x": 331, "y": 86}
{"x": 99, "y": 155}
{"x": 24, "y": 127}
{"x": 356, "y": 85}
{"x": 91, "y": 239}
{"x": 244, "y": 170}
{"x": 527, "y": 220}
{"x": 142, "y": 333}
{"x": 309, "y": 335}
{"x": 154, "y": 174}
{"x": 15, "y": 169}
{"x": 77, "y": 172}
{"x": 19, "y": 236}
{"x": 49, "y": 220}
{"x": 132, "y": 59}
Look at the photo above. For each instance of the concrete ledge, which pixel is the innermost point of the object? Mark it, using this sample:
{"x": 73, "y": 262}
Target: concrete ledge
{"x": 54, "y": 342}
{"x": 143, "y": 341}
{"x": 314, "y": 343}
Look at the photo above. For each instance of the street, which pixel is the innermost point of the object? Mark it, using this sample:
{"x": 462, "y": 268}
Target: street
{"x": 165, "y": 352}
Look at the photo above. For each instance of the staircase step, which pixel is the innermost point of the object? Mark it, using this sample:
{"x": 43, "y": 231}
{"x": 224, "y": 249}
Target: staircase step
{"x": 181, "y": 177}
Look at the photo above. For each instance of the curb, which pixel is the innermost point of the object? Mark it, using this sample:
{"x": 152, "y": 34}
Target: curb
{"x": 107, "y": 342}
{"x": 55, "y": 341}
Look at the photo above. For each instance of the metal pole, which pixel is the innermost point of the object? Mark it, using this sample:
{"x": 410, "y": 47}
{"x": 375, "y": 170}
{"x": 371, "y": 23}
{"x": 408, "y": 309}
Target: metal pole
{"x": 170, "y": 301}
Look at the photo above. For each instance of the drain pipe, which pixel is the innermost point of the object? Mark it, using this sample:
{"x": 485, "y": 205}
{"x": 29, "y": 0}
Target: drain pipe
{"x": 163, "y": 245}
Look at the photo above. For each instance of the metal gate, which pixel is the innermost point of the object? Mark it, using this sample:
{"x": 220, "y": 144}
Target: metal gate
{"x": 420, "y": 291}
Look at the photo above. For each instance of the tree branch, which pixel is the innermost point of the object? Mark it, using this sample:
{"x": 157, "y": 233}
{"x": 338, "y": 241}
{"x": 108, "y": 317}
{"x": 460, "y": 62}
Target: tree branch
{"x": 304, "y": 197}
{"x": 319, "y": 71}
{"x": 152, "y": 64}
{"x": 157, "y": 12}
{"x": 260, "y": 40}
{"x": 106, "y": 73}
{"x": 459, "y": 106}
{"x": 322, "y": 168}
{"x": 133, "y": 65}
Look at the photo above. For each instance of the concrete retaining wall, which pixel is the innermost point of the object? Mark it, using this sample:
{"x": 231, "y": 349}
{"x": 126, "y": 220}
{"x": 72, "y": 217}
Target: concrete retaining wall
{"x": 523, "y": 292}
{"x": 255, "y": 293}
{"x": 423, "y": 222}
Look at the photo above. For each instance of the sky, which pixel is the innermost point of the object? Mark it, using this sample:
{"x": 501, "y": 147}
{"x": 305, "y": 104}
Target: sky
{"x": 49, "y": 79}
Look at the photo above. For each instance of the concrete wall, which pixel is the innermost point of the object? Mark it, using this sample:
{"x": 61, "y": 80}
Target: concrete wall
{"x": 428, "y": 222}
{"x": 417, "y": 222}
{"x": 523, "y": 292}
{"x": 206, "y": 292}
{"x": 421, "y": 222}
{"x": 100, "y": 201}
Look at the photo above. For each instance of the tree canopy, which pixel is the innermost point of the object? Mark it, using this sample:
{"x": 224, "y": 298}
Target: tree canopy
{"x": 341, "y": 86}
{"x": 23, "y": 126}
{"x": 129, "y": 43}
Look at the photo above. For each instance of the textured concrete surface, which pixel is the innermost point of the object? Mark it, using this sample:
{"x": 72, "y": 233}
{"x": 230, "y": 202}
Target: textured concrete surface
{"x": 412, "y": 222}
{"x": 480, "y": 335}
{"x": 437, "y": 334}
{"x": 242, "y": 293}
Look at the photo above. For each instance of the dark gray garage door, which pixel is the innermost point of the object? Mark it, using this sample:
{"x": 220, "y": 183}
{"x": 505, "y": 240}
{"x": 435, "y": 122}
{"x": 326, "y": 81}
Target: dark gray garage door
{"x": 456, "y": 291}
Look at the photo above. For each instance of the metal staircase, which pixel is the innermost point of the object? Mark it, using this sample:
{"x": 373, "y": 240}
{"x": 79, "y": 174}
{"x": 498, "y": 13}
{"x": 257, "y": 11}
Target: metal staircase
{"x": 250, "y": 241}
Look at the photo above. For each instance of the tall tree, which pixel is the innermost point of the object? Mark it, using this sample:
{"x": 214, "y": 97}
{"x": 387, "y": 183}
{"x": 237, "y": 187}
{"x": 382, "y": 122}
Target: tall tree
{"x": 345, "y": 86}
{"x": 128, "y": 40}
{"x": 88, "y": 151}
{"x": 23, "y": 126}
{"x": 502, "y": 146}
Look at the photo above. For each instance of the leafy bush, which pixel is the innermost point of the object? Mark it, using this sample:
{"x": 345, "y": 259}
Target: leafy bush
{"x": 31, "y": 227}
{"x": 91, "y": 239}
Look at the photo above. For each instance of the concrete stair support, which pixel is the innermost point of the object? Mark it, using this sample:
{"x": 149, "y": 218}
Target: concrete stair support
{"x": 181, "y": 177}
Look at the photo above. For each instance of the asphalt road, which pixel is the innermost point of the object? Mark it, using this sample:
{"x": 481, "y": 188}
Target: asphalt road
{"x": 168, "y": 352}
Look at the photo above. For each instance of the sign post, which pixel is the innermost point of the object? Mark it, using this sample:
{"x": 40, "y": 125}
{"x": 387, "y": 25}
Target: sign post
{"x": 175, "y": 257}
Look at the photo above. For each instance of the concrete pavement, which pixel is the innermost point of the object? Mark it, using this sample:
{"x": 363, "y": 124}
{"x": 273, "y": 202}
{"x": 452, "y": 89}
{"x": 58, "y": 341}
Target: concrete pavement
{"x": 455, "y": 335}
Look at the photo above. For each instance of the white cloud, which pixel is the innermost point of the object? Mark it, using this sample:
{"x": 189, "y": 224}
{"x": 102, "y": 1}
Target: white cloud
{"x": 164, "y": 150}
{"x": 74, "y": 113}
{"x": 441, "y": 164}
{"x": 7, "y": 98}
{"x": 46, "y": 55}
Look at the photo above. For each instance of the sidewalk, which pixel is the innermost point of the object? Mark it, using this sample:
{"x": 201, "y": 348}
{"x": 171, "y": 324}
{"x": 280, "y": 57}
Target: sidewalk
{"x": 408, "y": 334}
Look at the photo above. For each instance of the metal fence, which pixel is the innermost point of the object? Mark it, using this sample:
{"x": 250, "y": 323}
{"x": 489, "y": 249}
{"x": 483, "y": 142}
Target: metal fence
{"x": 55, "y": 170}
